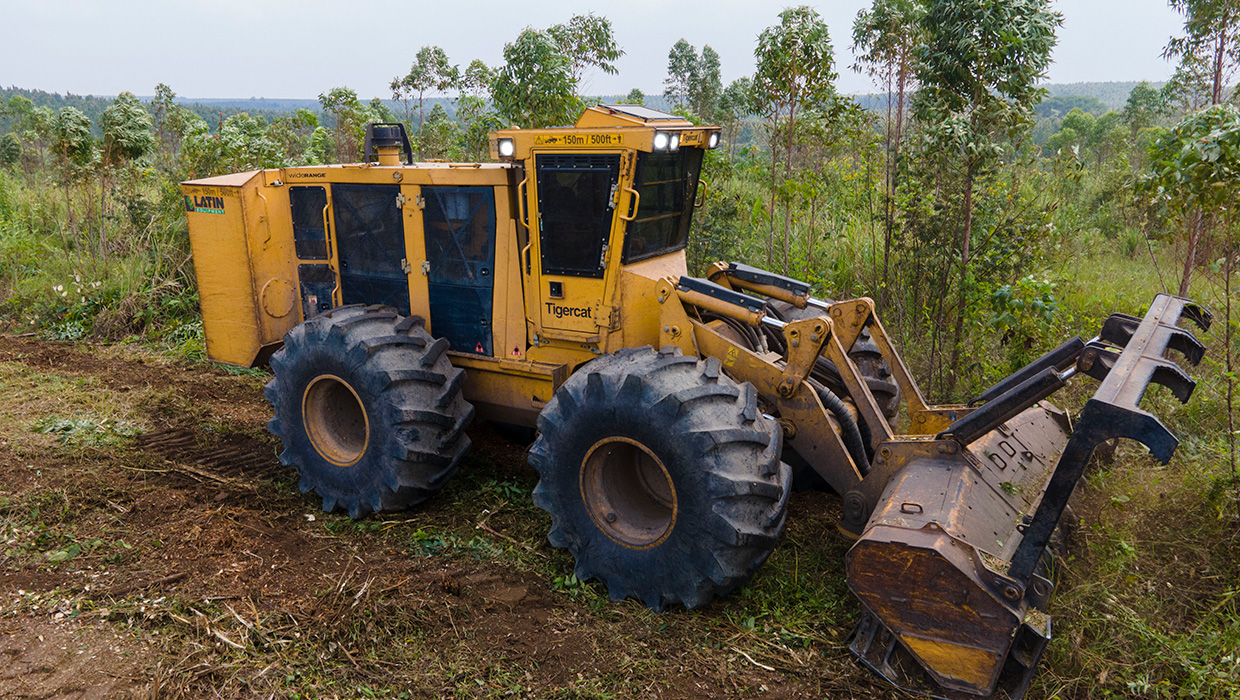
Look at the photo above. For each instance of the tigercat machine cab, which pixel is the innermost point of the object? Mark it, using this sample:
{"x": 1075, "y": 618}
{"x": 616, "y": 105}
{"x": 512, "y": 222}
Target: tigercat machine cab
{"x": 394, "y": 301}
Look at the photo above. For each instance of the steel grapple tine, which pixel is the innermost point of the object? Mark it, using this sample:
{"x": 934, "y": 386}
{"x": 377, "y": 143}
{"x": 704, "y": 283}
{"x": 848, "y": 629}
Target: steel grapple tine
{"x": 1098, "y": 360}
{"x": 1119, "y": 328}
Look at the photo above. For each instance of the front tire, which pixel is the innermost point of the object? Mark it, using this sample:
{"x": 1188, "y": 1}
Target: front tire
{"x": 368, "y": 408}
{"x": 661, "y": 477}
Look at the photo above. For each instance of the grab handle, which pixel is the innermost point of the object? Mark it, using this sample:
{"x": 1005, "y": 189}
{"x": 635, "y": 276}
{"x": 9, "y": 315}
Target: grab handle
{"x": 633, "y": 204}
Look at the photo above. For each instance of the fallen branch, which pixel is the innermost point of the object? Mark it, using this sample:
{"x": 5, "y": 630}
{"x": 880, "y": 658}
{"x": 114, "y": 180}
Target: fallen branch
{"x": 121, "y": 591}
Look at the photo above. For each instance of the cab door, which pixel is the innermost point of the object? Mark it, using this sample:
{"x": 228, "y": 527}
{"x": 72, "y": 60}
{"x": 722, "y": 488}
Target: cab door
{"x": 574, "y": 197}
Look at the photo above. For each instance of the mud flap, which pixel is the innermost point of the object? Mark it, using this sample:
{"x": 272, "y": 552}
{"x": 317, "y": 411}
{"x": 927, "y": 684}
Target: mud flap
{"x": 947, "y": 570}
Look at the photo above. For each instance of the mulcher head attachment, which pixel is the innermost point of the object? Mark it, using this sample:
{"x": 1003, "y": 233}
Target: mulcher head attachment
{"x": 948, "y": 569}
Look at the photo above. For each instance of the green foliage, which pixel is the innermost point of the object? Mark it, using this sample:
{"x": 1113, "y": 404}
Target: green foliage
{"x": 635, "y": 97}
{"x": 589, "y": 42}
{"x": 693, "y": 81}
{"x": 795, "y": 64}
{"x": 1024, "y": 315}
{"x": 1060, "y": 105}
{"x": 10, "y": 149}
{"x": 535, "y": 87}
{"x": 1196, "y": 166}
{"x": 73, "y": 142}
{"x": 1208, "y": 53}
{"x": 126, "y": 130}
{"x": 886, "y": 35}
{"x": 87, "y": 431}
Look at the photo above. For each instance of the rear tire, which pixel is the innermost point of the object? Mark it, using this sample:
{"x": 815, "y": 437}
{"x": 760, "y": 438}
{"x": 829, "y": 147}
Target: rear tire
{"x": 368, "y": 408}
{"x": 661, "y": 477}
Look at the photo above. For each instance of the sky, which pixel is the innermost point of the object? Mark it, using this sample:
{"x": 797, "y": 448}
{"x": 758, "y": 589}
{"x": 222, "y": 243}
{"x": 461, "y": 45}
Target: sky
{"x": 299, "y": 49}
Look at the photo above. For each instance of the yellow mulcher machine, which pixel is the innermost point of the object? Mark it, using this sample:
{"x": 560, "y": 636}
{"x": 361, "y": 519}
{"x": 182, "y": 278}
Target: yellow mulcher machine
{"x": 549, "y": 289}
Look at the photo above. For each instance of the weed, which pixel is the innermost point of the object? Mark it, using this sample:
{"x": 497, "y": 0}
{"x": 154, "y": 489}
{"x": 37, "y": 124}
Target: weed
{"x": 86, "y": 431}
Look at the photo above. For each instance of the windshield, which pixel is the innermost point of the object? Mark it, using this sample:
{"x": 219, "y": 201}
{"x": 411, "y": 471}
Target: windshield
{"x": 666, "y": 185}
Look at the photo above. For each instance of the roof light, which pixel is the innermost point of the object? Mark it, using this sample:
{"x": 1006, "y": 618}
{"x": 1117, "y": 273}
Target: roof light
{"x": 675, "y": 143}
{"x": 661, "y": 140}
{"x": 506, "y": 148}
{"x": 713, "y": 141}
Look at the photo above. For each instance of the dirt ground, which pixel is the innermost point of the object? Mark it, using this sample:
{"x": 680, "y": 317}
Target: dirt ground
{"x": 151, "y": 546}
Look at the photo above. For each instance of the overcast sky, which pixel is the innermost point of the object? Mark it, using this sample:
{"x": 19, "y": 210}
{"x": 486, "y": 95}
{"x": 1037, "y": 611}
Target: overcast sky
{"x": 298, "y": 49}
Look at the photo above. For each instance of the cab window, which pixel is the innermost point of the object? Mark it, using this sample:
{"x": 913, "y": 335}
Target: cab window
{"x": 575, "y": 208}
{"x": 667, "y": 185}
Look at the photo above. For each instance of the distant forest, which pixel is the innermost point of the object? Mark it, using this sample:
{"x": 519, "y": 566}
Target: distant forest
{"x": 1094, "y": 98}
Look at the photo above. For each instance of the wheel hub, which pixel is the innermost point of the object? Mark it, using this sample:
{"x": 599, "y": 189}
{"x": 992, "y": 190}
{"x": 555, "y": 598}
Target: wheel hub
{"x": 335, "y": 420}
{"x": 628, "y": 492}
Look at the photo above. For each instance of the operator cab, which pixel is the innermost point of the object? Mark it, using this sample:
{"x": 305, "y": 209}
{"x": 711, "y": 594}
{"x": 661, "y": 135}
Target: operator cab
{"x": 617, "y": 188}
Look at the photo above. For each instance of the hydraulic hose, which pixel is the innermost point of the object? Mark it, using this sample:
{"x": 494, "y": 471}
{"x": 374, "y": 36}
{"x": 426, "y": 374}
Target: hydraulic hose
{"x": 854, "y": 440}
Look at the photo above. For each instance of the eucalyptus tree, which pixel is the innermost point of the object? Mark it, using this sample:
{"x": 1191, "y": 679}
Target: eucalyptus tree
{"x": 589, "y": 42}
{"x": 431, "y": 71}
{"x": 1194, "y": 180}
{"x": 1209, "y": 51}
{"x": 74, "y": 148}
{"x": 978, "y": 70}
{"x": 535, "y": 86}
{"x": 735, "y": 104}
{"x": 795, "y": 72}
{"x": 885, "y": 39}
{"x": 693, "y": 80}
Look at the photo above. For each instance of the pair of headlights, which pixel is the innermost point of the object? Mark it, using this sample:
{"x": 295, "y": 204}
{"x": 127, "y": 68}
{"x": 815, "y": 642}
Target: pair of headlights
{"x": 663, "y": 142}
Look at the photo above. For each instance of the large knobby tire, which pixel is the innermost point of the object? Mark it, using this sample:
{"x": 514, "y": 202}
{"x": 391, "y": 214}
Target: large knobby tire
{"x": 661, "y": 476}
{"x": 369, "y": 409}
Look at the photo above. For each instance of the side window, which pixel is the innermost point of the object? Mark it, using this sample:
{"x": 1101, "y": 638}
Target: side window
{"x": 576, "y": 200}
{"x": 667, "y": 185}
{"x": 309, "y": 237}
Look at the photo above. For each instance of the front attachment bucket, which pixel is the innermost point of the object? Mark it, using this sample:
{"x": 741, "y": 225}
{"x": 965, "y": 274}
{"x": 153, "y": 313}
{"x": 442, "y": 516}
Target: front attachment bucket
{"x": 948, "y": 569}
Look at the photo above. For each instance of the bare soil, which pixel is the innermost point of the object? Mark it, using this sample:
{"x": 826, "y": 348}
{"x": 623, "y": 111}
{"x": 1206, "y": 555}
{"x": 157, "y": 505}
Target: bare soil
{"x": 177, "y": 559}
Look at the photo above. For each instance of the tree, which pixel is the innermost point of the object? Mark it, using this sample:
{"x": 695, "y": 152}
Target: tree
{"x": 1209, "y": 51}
{"x": 74, "y": 150}
{"x": 795, "y": 63}
{"x": 10, "y": 149}
{"x": 681, "y": 66}
{"x": 170, "y": 122}
{"x": 431, "y": 72}
{"x": 707, "y": 85}
{"x": 126, "y": 128}
{"x": 1209, "y": 54}
{"x": 292, "y": 133}
{"x": 350, "y": 126}
{"x": 693, "y": 82}
{"x": 535, "y": 87}
{"x": 438, "y": 138}
{"x": 979, "y": 69}
{"x": 589, "y": 42}
{"x": 1194, "y": 180}
{"x": 735, "y": 104}
{"x": 1145, "y": 106}
{"x": 886, "y": 37}
{"x": 635, "y": 97}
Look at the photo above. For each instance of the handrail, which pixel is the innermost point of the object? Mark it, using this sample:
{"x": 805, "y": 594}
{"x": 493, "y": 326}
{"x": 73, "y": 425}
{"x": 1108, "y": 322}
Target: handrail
{"x": 634, "y": 203}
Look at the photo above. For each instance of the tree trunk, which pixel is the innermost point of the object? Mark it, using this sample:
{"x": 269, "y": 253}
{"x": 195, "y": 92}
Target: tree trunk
{"x": 792, "y": 118}
{"x": 954, "y": 368}
{"x": 770, "y": 235}
{"x": 1216, "y": 92}
{"x": 1190, "y": 256}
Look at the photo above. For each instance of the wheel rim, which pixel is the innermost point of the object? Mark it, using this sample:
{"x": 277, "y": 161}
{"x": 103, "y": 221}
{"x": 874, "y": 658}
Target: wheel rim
{"x": 335, "y": 420}
{"x": 628, "y": 492}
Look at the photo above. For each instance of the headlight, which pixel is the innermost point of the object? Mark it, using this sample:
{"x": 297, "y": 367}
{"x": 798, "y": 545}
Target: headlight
{"x": 675, "y": 143}
{"x": 661, "y": 140}
{"x": 713, "y": 141}
{"x": 506, "y": 148}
